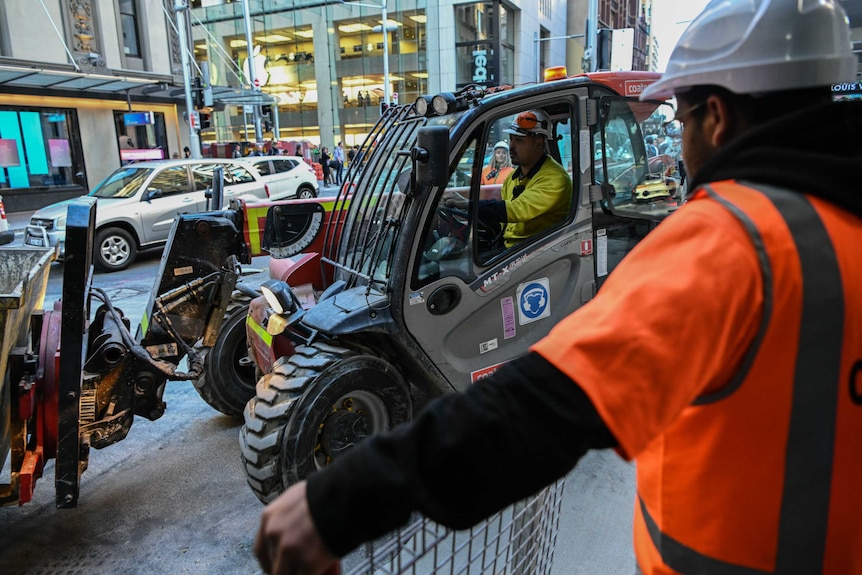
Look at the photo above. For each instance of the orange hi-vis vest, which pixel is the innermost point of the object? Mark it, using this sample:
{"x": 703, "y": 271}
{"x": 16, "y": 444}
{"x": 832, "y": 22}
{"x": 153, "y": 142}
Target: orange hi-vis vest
{"x": 765, "y": 475}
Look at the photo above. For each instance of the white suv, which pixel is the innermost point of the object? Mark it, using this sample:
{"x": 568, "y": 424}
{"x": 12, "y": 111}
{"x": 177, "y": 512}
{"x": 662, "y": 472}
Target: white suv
{"x": 137, "y": 204}
{"x": 288, "y": 177}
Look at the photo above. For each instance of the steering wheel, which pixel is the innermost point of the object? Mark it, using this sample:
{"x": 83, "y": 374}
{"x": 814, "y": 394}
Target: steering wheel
{"x": 453, "y": 222}
{"x": 489, "y": 235}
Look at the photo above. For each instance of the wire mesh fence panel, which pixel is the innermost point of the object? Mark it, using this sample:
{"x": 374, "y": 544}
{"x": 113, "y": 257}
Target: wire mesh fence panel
{"x": 518, "y": 540}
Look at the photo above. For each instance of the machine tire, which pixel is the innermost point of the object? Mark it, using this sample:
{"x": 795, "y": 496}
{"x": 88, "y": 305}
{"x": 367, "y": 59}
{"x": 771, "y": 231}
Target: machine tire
{"x": 306, "y": 410}
{"x": 229, "y": 376}
{"x": 114, "y": 250}
{"x": 306, "y": 193}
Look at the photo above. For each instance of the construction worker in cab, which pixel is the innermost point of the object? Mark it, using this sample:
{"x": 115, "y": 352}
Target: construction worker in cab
{"x": 538, "y": 194}
{"x": 723, "y": 355}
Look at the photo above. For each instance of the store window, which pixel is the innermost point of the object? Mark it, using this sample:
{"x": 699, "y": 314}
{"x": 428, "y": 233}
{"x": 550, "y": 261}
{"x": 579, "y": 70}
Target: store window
{"x": 40, "y": 148}
{"x": 129, "y": 28}
{"x": 141, "y": 136}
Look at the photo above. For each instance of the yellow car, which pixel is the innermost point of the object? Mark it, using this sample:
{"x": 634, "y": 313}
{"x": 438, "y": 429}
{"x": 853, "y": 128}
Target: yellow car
{"x": 656, "y": 187}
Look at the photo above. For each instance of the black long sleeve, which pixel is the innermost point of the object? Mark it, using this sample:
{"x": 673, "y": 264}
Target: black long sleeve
{"x": 466, "y": 456}
{"x": 493, "y": 211}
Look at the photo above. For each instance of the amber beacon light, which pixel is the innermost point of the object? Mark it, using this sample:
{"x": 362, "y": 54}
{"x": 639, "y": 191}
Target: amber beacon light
{"x": 555, "y": 73}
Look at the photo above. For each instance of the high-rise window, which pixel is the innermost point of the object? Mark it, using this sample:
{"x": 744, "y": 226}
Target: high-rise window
{"x": 129, "y": 28}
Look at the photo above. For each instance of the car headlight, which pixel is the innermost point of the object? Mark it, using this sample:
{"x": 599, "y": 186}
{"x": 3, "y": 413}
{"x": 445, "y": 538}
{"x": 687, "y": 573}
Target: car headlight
{"x": 60, "y": 223}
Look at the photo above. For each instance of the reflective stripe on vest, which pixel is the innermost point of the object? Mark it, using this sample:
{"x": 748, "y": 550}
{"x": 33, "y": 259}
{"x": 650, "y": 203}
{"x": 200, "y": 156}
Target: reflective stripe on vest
{"x": 802, "y": 526}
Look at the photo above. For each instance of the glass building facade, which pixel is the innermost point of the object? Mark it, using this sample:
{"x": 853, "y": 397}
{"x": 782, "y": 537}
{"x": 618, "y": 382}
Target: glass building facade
{"x": 324, "y": 61}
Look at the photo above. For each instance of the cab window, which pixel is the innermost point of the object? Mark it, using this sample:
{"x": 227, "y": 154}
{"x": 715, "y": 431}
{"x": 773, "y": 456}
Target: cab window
{"x": 447, "y": 241}
{"x": 465, "y": 231}
{"x": 637, "y": 152}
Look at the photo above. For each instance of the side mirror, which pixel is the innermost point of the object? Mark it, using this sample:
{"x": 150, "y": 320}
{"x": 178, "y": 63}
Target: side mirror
{"x": 153, "y": 193}
{"x": 431, "y": 156}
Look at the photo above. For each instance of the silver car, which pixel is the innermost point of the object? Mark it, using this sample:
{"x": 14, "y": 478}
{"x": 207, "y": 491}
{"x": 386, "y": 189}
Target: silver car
{"x": 288, "y": 177}
{"x": 137, "y": 204}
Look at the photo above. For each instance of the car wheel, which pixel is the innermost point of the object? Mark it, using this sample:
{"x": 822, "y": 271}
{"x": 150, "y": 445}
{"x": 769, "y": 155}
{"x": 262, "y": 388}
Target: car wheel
{"x": 305, "y": 193}
{"x": 115, "y": 250}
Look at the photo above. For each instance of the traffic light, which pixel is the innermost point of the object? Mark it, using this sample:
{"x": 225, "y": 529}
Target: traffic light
{"x": 206, "y": 121}
{"x": 383, "y": 107}
{"x": 266, "y": 118}
{"x": 206, "y": 86}
{"x": 198, "y": 93}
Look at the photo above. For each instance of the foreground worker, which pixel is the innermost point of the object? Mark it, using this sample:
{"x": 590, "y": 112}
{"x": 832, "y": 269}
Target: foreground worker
{"x": 724, "y": 355}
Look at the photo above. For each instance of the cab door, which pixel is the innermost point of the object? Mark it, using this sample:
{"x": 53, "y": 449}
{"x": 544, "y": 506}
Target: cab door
{"x": 643, "y": 184}
{"x": 473, "y": 305}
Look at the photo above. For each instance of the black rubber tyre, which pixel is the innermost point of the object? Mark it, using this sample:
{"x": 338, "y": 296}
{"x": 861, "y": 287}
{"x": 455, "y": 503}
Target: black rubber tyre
{"x": 305, "y": 193}
{"x": 229, "y": 376}
{"x": 311, "y": 408}
{"x": 115, "y": 249}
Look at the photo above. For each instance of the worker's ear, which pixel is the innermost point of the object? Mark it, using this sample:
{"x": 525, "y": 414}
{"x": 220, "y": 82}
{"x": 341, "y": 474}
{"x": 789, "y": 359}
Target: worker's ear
{"x": 721, "y": 122}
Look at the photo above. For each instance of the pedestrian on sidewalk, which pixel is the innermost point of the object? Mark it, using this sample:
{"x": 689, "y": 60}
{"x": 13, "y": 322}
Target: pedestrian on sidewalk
{"x": 325, "y": 160}
{"x": 338, "y": 156}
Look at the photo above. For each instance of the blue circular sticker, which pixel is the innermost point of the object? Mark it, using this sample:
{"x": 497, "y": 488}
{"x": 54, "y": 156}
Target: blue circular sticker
{"x": 534, "y": 300}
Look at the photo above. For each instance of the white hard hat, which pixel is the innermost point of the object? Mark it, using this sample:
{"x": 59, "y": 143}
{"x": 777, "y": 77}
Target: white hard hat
{"x": 501, "y": 144}
{"x": 530, "y": 123}
{"x": 756, "y": 46}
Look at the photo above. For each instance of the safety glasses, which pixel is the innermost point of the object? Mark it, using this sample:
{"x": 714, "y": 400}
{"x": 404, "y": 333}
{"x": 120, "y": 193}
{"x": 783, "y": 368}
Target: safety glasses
{"x": 681, "y": 116}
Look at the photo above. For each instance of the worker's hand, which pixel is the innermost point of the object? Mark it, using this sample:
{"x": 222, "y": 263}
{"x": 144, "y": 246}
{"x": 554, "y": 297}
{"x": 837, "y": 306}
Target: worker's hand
{"x": 288, "y": 542}
{"x": 455, "y": 200}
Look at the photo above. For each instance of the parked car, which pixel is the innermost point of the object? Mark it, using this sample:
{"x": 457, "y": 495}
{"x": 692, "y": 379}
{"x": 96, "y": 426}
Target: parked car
{"x": 6, "y": 235}
{"x": 288, "y": 177}
{"x": 136, "y": 205}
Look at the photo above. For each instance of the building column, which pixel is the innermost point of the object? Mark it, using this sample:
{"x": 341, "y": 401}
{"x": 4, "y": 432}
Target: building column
{"x": 328, "y": 92}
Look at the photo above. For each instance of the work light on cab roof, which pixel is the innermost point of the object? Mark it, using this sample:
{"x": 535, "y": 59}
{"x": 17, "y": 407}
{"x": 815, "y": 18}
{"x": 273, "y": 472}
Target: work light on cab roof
{"x": 555, "y": 73}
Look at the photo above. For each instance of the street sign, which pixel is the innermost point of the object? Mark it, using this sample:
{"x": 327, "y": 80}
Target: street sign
{"x": 395, "y": 98}
{"x": 138, "y": 118}
{"x": 256, "y": 83}
{"x": 195, "y": 120}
